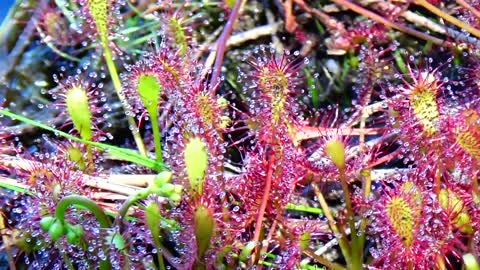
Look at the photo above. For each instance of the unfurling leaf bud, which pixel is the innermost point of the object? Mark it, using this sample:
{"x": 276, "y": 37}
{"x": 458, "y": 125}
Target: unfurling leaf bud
{"x": 204, "y": 225}
{"x": 335, "y": 150}
{"x": 454, "y": 206}
{"x": 76, "y": 100}
{"x": 196, "y": 162}
{"x": 75, "y": 155}
{"x": 149, "y": 92}
{"x": 470, "y": 262}
{"x": 304, "y": 239}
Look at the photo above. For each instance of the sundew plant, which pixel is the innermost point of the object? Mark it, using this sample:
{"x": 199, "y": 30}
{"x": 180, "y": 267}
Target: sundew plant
{"x": 240, "y": 134}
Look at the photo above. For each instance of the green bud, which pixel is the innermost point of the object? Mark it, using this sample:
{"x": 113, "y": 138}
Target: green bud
{"x": 196, "y": 161}
{"x": 162, "y": 178}
{"x": 175, "y": 198}
{"x": 56, "y": 230}
{"x": 77, "y": 107}
{"x": 77, "y": 229}
{"x": 204, "y": 226}
{"x": 154, "y": 190}
{"x": 72, "y": 237}
{"x": 46, "y": 222}
{"x": 168, "y": 189}
{"x": 246, "y": 251}
{"x": 335, "y": 150}
{"x": 178, "y": 189}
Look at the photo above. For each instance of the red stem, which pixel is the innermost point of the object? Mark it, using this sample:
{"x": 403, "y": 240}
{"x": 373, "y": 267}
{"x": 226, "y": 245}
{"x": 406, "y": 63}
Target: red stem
{"x": 266, "y": 193}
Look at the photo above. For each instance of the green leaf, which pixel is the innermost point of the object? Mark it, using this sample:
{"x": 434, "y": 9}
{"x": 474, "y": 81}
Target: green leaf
{"x": 118, "y": 152}
{"x": 303, "y": 208}
{"x": 14, "y": 188}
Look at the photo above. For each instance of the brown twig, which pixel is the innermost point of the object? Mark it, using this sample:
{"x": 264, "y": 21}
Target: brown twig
{"x": 222, "y": 42}
{"x": 367, "y": 13}
{"x": 290, "y": 23}
{"x": 332, "y": 25}
{"x": 310, "y": 253}
{"x": 449, "y": 18}
{"x": 470, "y": 8}
{"x": 238, "y": 39}
{"x": 415, "y": 19}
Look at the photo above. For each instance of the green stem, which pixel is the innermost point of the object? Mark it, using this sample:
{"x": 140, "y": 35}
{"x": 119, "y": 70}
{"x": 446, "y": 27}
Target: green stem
{"x": 139, "y": 195}
{"x": 118, "y": 88}
{"x": 161, "y": 263}
{"x": 156, "y": 137}
{"x": 367, "y": 184}
{"x": 90, "y": 205}
{"x": 342, "y": 240}
{"x": 356, "y": 249}
{"x": 65, "y": 259}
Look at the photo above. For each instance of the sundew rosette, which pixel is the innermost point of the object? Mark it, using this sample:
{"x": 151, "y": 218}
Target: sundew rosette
{"x": 272, "y": 86}
{"x": 411, "y": 229}
{"x": 417, "y": 107}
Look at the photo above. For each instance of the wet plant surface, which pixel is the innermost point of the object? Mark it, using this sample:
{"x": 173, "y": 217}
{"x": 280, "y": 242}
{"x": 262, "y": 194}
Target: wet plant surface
{"x": 240, "y": 135}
